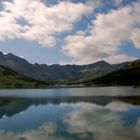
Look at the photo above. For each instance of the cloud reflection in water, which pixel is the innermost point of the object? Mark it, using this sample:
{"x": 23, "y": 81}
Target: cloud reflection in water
{"x": 84, "y": 121}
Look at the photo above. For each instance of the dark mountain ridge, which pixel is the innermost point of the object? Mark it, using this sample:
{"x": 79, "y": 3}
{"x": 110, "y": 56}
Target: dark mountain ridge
{"x": 12, "y": 79}
{"x": 128, "y": 75}
{"x": 57, "y": 73}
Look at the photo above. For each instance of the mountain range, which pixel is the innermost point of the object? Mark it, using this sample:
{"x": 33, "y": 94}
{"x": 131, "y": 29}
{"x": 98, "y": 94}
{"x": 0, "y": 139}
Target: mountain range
{"x": 58, "y": 73}
{"x": 18, "y": 72}
{"x": 12, "y": 79}
{"x": 128, "y": 75}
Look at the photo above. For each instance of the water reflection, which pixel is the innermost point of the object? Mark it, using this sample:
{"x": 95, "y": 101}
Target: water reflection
{"x": 44, "y": 132}
{"x": 70, "y": 118}
{"x": 102, "y": 122}
{"x": 10, "y": 106}
{"x": 59, "y": 92}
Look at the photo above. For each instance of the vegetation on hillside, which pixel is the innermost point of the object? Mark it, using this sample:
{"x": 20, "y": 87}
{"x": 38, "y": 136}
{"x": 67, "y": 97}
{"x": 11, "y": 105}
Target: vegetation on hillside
{"x": 11, "y": 79}
{"x": 129, "y": 75}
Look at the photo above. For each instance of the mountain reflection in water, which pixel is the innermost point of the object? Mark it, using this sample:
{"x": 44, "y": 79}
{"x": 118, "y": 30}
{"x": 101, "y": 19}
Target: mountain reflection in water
{"x": 70, "y": 118}
{"x": 10, "y": 106}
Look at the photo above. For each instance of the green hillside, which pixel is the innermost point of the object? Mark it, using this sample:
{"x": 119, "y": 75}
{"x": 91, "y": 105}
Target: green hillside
{"x": 129, "y": 75}
{"x": 11, "y": 79}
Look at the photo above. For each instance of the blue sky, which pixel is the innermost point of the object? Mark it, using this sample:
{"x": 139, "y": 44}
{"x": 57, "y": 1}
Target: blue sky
{"x": 74, "y": 32}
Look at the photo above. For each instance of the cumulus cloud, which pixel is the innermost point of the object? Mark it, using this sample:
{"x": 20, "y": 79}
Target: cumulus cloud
{"x": 117, "y": 58}
{"x": 42, "y": 22}
{"x": 39, "y": 21}
{"x": 105, "y": 36}
{"x": 8, "y": 27}
{"x": 136, "y": 38}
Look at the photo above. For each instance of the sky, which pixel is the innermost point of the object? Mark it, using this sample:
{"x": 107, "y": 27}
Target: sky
{"x": 71, "y": 31}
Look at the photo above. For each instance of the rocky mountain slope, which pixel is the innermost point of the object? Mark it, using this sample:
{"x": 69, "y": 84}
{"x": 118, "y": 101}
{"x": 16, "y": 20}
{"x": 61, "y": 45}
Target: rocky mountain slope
{"x": 57, "y": 73}
{"x": 128, "y": 75}
{"x": 11, "y": 79}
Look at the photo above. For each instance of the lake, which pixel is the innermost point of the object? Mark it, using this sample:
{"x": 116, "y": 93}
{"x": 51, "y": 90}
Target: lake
{"x": 90, "y": 113}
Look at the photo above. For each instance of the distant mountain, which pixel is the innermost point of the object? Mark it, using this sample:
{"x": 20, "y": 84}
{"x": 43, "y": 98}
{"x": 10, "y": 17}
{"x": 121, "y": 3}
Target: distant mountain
{"x": 57, "y": 73}
{"x": 11, "y": 79}
{"x": 128, "y": 75}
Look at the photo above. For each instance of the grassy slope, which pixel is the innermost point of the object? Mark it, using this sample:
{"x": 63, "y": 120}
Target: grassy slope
{"x": 11, "y": 79}
{"x": 129, "y": 75}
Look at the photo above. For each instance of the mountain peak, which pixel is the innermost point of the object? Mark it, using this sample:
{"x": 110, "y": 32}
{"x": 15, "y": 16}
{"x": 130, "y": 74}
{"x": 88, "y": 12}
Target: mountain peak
{"x": 56, "y": 72}
{"x": 100, "y": 64}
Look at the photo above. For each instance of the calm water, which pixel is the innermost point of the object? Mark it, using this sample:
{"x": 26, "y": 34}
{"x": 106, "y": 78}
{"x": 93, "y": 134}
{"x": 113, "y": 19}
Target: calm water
{"x": 103, "y": 113}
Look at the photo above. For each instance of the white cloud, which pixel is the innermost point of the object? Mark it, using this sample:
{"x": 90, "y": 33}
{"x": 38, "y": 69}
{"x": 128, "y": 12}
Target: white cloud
{"x": 43, "y": 22}
{"x": 37, "y": 21}
{"x": 136, "y": 38}
{"x": 117, "y": 58}
{"x": 105, "y": 36}
{"x": 113, "y": 27}
{"x": 8, "y": 27}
